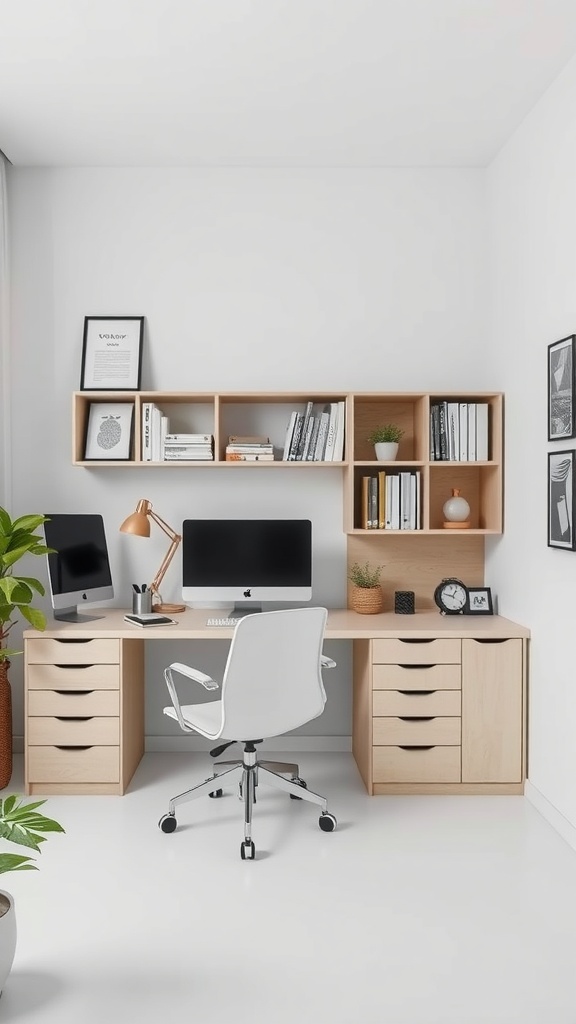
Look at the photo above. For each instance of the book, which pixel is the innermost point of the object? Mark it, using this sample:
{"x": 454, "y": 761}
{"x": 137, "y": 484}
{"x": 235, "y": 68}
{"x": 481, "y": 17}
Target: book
{"x": 308, "y": 439}
{"x": 188, "y": 456}
{"x": 453, "y": 433}
{"x": 310, "y": 454}
{"x": 247, "y": 457}
{"x": 331, "y": 435}
{"x": 373, "y": 503}
{"x": 146, "y": 428}
{"x": 304, "y": 432}
{"x": 289, "y": 433}
{"x": 404, "y": 500}
{"x": 294, "y": 443}
{"x": 463, "y": 427}
{"x": 472, "y": 432}
{"x": 251, "y": 449}
{"x": 443, "y": 429}
{"x": 482, "y": 432}
{"x": 381, "y": 499}
{"x": 189, "y": 438}
{"x": 364, "y": 487}
{"x": 322, "y": 435}
{"x": 248, "y": 439}
{"x": 395, "y": 502}
{"x": 156, "y": 451}
{"x": 338, "y": 453}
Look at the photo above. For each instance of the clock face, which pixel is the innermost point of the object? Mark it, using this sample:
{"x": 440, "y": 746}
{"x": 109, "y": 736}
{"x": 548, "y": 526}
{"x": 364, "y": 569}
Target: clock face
{"x": 451, "y": 596}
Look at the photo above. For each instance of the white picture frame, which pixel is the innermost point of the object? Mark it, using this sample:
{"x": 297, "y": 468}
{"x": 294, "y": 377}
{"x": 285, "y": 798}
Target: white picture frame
{"x": 112, "y": 353}
{"x": 109, "y": 431}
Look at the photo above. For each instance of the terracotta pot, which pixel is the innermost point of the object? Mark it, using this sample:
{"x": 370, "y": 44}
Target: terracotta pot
{"x": 5, "y": 726}
{"x": 367, "y": 600}
{"x": 7, "y": 935}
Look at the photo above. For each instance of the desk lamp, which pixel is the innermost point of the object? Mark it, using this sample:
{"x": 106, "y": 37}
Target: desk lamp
{"x": 139, "y": 525}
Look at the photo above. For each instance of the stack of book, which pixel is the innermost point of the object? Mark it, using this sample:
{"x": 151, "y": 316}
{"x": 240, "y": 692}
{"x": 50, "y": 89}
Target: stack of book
{"x": 249, "y": 448}
{"x": 316, "y": 435}
{"x": 390, "y": 501}
{"x": 459, "y": 431}
{"x": 190, "y": 447}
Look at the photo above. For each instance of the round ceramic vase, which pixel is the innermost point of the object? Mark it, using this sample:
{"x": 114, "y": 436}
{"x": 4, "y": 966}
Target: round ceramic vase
{"x": 456, "y": 512}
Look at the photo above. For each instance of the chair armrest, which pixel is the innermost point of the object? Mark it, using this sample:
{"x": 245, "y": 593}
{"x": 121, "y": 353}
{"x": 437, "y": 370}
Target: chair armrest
{"x": 191, "y": 673}
{"x": 327, "y": 662}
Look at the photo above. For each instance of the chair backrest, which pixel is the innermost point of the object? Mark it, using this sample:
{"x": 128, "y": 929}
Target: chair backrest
{"x": 272, "y": 682}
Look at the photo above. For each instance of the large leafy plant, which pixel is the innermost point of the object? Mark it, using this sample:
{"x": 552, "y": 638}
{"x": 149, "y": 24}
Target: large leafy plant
{"x": 17, "y": 539}
{"x": 21, "y": 824}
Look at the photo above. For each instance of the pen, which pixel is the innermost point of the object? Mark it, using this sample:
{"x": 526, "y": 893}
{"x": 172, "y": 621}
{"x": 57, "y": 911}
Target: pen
{"x": 135, "y": 588}
{"x": 144, "y": 588}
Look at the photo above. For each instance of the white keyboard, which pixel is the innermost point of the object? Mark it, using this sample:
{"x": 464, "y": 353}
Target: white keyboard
{"x": 222, "y": 622}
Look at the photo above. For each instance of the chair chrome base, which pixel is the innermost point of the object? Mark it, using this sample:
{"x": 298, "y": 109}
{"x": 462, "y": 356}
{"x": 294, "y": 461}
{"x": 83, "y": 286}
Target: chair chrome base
{"x": 249, "y": 772}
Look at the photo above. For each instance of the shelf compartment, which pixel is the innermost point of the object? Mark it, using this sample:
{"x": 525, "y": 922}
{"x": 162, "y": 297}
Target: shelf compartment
{"x": 479, "y": 483}
{"x": 407, "y": 411}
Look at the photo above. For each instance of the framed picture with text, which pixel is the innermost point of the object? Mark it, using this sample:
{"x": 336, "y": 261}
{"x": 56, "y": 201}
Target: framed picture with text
{"x": 479, "y": 601}
{"x": 561, "y": 499}
{"x": 109, "y": 431}
{"x": 561, "y": 404}
{"x": 112, "y": 353}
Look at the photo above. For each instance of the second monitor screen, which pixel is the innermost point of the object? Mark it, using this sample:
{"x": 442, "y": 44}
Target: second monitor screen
{"x": 247, "y": 552}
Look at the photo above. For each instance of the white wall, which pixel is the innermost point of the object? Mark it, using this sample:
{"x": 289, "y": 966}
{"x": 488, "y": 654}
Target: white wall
{"x": 532, "y": 259}
{"x": 254, "y": 280}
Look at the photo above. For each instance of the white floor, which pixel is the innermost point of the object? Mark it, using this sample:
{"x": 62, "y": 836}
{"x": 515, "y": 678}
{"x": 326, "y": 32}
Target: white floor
{"x": 419, "y": 910}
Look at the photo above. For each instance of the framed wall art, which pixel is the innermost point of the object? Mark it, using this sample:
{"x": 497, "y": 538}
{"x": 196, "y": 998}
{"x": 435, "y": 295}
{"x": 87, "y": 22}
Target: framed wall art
{"x": 109, "y": 431}
{"x": 561, "y": 499}
{"x": 561, "y": 404}
{"x": 112, "y": 353}
{"x": 479, "y": 601}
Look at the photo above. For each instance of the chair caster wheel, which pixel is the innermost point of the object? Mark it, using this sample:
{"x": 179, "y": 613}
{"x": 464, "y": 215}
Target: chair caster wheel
{"x": 247, "y": 850}
{"x": 216, "y": 793}
{"x": 327, "y": 822}
{"x": 302, "y": 784}
{"x": 167, "y": 823}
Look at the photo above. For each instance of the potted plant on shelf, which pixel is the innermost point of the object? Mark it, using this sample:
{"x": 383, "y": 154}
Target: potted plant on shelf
{"x": 366, "y": 596}
{"x": 21, "y": 824}
{"x": 385, "y": 439}
{"x": 17, "y": 539}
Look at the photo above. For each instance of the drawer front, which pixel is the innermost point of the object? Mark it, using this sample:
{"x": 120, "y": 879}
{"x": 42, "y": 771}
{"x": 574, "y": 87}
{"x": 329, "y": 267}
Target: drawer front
{"x": 438, "y": 731}
{"x": 74, "y": 731}
{"x": 415, "y": 705}
{"x": 408, "y": 652}
{"x": 90, "y": 702}
{"x": 72, "y": 652}
{"x": 435, "y": 764}
{"x": 89, "y": 764}
{"x": 73, "y": 677}
{"x": 416, "y": 677}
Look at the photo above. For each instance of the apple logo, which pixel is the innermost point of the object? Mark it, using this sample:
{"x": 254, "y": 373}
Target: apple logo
{"x": 247, "y": 593}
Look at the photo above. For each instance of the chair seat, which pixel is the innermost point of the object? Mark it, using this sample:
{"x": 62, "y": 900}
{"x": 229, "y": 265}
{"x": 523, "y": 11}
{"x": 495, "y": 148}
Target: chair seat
{"x": 203, "y": 718}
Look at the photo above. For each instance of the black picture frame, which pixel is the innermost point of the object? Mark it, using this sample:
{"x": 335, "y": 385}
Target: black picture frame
{"x": 562, "y": 389}
{"x": 561, "y": 495}
{"x": 109, "y": 432}
{"x": 112, "y": 353}
{"x": 479, "y": 601}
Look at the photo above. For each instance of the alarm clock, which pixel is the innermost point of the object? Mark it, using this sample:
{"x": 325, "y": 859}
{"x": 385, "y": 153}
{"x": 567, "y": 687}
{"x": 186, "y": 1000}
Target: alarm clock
{"x": 451, "y": 596}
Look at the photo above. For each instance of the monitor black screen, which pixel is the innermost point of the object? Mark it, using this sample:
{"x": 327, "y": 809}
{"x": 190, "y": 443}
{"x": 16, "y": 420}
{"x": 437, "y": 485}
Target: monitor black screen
{"x": 79, "y": 568}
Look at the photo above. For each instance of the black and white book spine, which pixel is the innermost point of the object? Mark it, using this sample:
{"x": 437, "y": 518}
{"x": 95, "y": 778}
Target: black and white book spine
{"x": 304, "y": 432}
{"x": 405, "y": 501}
{"x": 338, "y": 453}
{"x": 296, "y": 437}
{"x": 289, "y": 434}
{"x": 472, "y": 456}
{"x": 189, "y": 438}
{"x": 482, "y": 448}
{"x": 308, "y": 438}
{"x": 322, "y": 435}
{"x": 146, "y": 431}
{"x": 453, "y": 432}
{"x": 331, "y": 436}
{"x": 310, "y": 454}
{"x": 443, "y": 410}
{"x": 463, "y": 427}
{"x": 373, "y": 503}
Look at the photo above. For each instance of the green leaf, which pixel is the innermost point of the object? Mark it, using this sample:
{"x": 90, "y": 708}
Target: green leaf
{"x": 7, "y": 587}
{"x": 35, "y": 617}
{"x": 35, "y": 584}
{"x": 6, "y": 653}
{"x": 5, "y": 521}
{"x": 30, "y": 522}
{"x": 7, "y": 804}
{"x": 21, "y": 593}
{"x": 16, "y": 862}
{"x": 13, "y": 555}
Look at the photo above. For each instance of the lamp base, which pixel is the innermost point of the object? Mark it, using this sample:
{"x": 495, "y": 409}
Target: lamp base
{"x": 168, "y": 609}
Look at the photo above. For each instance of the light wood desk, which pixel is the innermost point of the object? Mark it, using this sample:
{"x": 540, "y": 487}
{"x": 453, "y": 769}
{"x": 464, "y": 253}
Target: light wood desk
{"x": 439, "y": 701}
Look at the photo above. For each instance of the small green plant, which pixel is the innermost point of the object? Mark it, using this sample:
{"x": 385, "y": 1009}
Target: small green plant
{"x": 365, "y": 576}
{"x": 21, "y": 824}
{"x": 18, "y": 538}
{"x": 384, "y": 433}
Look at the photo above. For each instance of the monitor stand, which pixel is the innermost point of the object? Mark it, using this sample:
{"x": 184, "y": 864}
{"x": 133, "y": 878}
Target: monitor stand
{"x": 244, "y": 609}
{"x": 72, "y": 615}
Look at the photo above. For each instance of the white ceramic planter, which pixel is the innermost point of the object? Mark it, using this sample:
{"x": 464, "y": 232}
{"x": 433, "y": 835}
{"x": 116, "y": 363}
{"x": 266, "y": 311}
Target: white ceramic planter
{"x": 386, "y": 451}
{"x": 7, "y": 938}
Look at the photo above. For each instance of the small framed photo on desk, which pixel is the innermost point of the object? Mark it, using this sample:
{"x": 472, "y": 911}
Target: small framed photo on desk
{"x": 109, "y": 431}
{"x": 479, "y": 601}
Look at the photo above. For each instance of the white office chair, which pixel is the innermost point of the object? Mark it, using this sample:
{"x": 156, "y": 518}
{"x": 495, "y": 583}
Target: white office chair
{"x": 272, "y": 683}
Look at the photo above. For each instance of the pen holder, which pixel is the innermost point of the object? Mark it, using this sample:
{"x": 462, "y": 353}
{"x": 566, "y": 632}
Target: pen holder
{"x": 142, "y": 603}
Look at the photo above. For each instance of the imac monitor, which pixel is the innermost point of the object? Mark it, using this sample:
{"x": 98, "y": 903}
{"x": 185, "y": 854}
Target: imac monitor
{"x": 246, "y": 561}
{"x": 78, "y": 569}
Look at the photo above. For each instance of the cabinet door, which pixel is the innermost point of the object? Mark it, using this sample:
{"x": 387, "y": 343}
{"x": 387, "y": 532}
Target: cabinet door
{"x": 492, "y": 719}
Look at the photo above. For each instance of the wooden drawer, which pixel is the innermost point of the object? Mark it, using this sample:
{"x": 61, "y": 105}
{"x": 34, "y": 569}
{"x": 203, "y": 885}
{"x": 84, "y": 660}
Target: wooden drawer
{"x": 421, "y": 652}
{"x": 83, "y": 764}
{"x": 414, "y": 705}
{"x": 73, "y": 677}
{"x": 72, "y": 652}
{"x": 433, "y": 764}
{"x": 90, "y": 702}
{"x": 438, "y": 731}
{"x": 74, "y": 731}
{"x": 416, "y": 677}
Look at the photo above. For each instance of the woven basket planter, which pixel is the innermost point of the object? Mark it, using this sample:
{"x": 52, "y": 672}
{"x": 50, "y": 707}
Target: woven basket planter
{"x": 367, "y": 600}
{"x": 5, "y": 726}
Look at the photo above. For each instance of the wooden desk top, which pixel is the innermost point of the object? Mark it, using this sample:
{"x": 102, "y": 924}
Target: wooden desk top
{"x": 343, "y": 624}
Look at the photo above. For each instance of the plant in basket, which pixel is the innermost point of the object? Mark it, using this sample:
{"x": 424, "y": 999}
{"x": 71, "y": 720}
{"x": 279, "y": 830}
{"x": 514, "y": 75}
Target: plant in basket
{"x": 366, "y": 596}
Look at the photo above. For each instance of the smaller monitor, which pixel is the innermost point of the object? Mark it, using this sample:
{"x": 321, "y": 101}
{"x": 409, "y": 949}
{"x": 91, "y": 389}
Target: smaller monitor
{"x": 78, "y": 569}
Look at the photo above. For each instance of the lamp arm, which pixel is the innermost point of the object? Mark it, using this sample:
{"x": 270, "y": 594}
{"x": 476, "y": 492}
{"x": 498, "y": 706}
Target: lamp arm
{"x": 175, "y": 541}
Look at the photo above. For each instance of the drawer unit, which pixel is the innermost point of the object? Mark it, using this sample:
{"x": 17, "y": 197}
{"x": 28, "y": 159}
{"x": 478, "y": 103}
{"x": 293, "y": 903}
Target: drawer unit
{"x": 413, "y": 764}
{"x": 74, "y": 732}
{"x": 54, "y": 764}
{"x": 417, "y": 731}
{"x": 417, "y": 704}
{"x": 74, "y": 704}
{"x": 73, "y": 677}
{"x": 416, "y": 652}
{"x": 72, "y": 652}
{"x": 416, "y": 677}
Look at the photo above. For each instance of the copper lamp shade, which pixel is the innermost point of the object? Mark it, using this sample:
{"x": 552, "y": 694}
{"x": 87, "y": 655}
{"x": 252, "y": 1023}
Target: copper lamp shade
{"x": 138, "y": 524}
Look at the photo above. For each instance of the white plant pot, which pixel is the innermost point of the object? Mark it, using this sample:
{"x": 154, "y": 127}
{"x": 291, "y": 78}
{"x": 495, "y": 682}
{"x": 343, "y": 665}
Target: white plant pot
{"x": 386, "y": 451}
{"x": 7, "y": 938}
